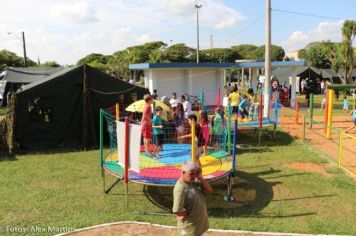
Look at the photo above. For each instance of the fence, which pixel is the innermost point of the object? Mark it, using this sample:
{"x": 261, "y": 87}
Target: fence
{"x": 340, "y": 146}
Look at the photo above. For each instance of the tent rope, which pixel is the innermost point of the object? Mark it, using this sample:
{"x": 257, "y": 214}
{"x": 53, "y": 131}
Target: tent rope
{"x": 112, "y": 93}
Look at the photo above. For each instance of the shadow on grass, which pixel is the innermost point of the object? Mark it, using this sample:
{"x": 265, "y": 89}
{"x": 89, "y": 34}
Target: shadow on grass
{"x": 252, "y": 194}
{"x": 247, "y": 142}
{"x": 4, "y": 156}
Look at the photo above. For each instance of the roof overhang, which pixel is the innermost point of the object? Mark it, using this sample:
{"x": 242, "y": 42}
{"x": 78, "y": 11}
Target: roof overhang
{"x": 147, "y": 66}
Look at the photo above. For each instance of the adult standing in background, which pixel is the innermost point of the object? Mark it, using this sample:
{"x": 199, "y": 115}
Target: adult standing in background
{"x": 189, "y": 202}
{"x": 322, "y": 86}
{"x": 174, "y": 101}
{"x": 186, "y": 106}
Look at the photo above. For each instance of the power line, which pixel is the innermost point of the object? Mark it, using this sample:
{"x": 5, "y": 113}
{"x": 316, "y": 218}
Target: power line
{"x": 306, "y": 14}
{"x": 229, "y": 39}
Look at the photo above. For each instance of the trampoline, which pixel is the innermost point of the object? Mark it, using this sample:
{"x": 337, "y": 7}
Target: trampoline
{"x": 165, "y": 170}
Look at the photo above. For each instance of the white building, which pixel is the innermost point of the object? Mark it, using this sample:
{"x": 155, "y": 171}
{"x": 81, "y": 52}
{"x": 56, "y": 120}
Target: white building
{"x": 192, "y": 78}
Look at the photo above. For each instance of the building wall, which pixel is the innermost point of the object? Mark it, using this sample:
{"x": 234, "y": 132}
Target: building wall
{"x": 182, "y": 81}
{"x": 209, "y": 81}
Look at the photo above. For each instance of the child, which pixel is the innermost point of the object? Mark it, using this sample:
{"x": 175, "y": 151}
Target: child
{"x": 346, "y": 104}
{"x": 204, "y": 123}
{"x": 158, "y": 131}
{"x": 353, "y": 121}
{"x": 218, "y": 128}
{"x": 253, "y": 110}
{"x": 146, "y": 123}
{"x": 198, "y": 136}
{"x": 243, "y": 107}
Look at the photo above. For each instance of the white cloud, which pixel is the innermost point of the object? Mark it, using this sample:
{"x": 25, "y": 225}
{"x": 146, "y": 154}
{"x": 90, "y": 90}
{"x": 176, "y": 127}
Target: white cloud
{"x": 144, "y": 38}
{"x": 122, "y": 38}
{"x": 228, "y": 23}
{"x": 67, "y": 30}
{"x": 79, "y": 12}
{"x": 324, "y": 31}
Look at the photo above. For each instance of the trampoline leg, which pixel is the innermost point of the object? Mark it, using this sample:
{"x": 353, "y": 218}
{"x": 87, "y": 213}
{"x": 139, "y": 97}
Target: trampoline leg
{"x": 259, "y": 136}
{"x": 274, "y": 131}
{"x": 111, "y": 186}
{"x": 127, "y": 196}
{"x": 229, "y": 197}
{"x": 103, "y": 177}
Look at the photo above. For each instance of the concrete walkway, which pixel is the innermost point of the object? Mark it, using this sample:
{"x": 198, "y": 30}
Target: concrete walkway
{"x": 130, "y": 228}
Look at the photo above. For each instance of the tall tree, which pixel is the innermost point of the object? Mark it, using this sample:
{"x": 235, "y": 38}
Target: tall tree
{"x": 348, "y": 35}
{"x": 49, "y": 64}
{"x": 157, "y": 56}
{"x": 302, "y": 54}
{"x": 8, "y": 58}
{"x": 219, "y": 55}
{"x": 179, "y": 53}
{"x": 246, "y": 51}
{"x": 334, "y": 54}
{"x": 277, "y": 53}
{"x": 317, "y": 56}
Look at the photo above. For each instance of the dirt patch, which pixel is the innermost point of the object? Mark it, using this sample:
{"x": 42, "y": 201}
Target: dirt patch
{"x": 311, "y": 167}
{"x": 316, "y": 137}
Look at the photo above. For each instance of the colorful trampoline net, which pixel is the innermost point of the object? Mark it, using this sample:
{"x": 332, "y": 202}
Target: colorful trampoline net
{"x": 162, "y": 166}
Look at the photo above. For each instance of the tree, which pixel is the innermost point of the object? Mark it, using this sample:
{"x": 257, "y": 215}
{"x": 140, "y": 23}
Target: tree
{"x": 302, "y": 54}
{"x": 317, "y": 56}
{"x": 348, "y": 35}
{"x": 98, "y": 61}
{"x": 49, "y": 64}
{"x": 179, "y": 53}
{"x": 8, "y": 58}
{"x": 219, "y": 55}
{"x": 277, "y": 53}
{"x": 157, "y": 56}
{"x": 246, "y": 51}
{"x": 334, "y": 54}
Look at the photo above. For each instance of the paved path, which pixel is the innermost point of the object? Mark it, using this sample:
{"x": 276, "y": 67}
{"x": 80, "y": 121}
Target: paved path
{"x": 146, "y": 229}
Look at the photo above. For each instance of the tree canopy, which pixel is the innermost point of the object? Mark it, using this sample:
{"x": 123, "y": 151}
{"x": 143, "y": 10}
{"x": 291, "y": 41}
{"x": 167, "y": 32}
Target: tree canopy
{"x": 277, "y": 53}
{"x": 8, "y": 58}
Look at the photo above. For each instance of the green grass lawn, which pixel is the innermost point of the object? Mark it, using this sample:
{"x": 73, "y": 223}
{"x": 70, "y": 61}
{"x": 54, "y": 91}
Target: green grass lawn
{"x": 338, "y": 105}
{"x": 66, "y": 189}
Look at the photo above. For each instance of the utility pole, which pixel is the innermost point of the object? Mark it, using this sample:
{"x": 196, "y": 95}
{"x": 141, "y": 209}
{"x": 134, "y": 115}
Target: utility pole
{"x": 267, "y": 60}
{"x": 24, "y": 49}
{"x": 211, "y": 42}
{"x": 197, "y": 7}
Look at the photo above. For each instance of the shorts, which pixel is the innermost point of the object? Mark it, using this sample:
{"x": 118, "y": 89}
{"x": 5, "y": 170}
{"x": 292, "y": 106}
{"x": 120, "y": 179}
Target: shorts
{"x": 147, "y": 131}
{"x": 235, "y": 110}
{"x": 354, "y": 120}
{"x": 158, "y": 139}
{"x": 345, "y": 107}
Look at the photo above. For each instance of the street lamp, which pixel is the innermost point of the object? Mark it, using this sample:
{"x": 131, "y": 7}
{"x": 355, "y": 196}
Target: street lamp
{"x": 24, "y": 47}
{"x": 197, "y": 6}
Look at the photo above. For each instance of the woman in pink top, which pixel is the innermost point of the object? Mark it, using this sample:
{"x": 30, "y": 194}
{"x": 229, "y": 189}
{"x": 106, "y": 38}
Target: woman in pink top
{"x": 146, "y": 124}
{"x": 204, "y": 123}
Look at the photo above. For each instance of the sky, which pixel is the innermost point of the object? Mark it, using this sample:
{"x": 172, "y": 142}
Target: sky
{"x": 67, "y": 30}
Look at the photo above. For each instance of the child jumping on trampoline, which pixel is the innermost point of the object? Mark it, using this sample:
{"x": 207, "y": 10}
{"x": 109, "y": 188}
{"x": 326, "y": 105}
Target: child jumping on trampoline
{"x": 200, "y": 142}
{"x": 253, "y": 101}
{"x": 158, "y": 131}
{"x": 146, "y": 124}
{"x": 204, "y": 123}
{"x": 218, "y": 128}
{"x": 243, "y": 107}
